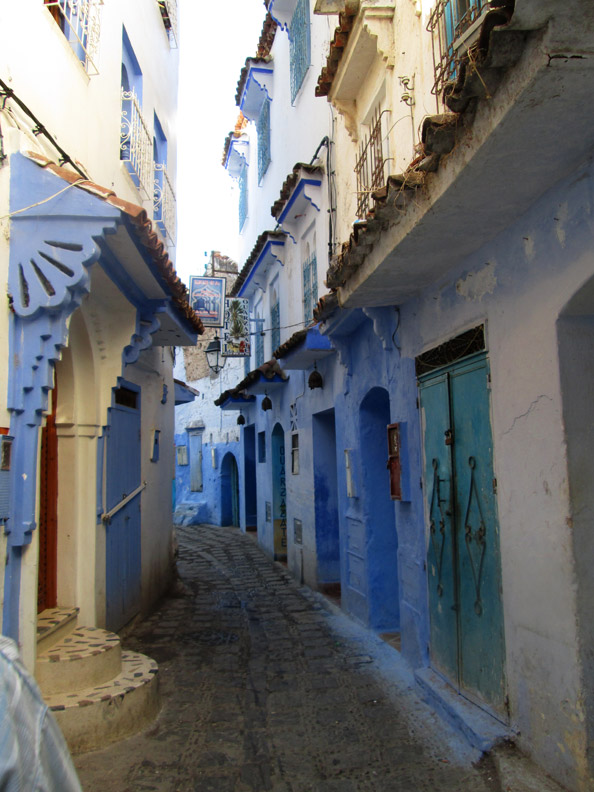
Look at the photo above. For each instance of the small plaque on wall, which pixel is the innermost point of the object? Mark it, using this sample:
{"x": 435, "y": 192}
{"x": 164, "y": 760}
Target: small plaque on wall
{"x": 268, "y": 511}
{"x": 297, "y": 531}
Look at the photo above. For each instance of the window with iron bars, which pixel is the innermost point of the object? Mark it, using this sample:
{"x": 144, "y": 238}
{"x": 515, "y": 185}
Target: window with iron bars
{"x": 168, "y": 9}
{"x": 80, "y": 22}
{"x": 259, "y": 345}
{"x": 370, "y": 167}
{"x": 263, "y": 131}
{"x": 310, "y": 286}
{"x": 135, "y": 143}
{"x": 450, "y": 25}
{"x": 275, "y": 323}
{"x": 299, "y": 46}
{"x": 243, "y": 196}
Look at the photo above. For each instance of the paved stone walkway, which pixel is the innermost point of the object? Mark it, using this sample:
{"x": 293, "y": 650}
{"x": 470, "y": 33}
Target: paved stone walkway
{"x": 267, "y": 687}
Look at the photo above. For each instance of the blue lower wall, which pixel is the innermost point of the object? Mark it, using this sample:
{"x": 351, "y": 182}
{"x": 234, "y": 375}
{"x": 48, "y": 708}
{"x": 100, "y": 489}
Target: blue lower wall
{"x": 211, "y": 505}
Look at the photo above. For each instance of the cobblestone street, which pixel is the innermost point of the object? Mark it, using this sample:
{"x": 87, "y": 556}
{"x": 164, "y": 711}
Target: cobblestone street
{"x": 266, "y": 686}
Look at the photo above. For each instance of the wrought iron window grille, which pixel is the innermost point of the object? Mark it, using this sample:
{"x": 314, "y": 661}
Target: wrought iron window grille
{"x": 259, "y": 349}
{"x": 299, "y": 46}
{"x": 243, "y": 197}
{"x": 263, "y": 133}
{"x": 370, "y": 167}
{"x": 310, "y": 286}
{"x": 80, "y": 22}
{"x": 454, "y": 26}
{"x": 168, "y": 9}
{"x": 136, "y": 148}
{"x": 164, "y": 203}
{"x": 275, "y": 325}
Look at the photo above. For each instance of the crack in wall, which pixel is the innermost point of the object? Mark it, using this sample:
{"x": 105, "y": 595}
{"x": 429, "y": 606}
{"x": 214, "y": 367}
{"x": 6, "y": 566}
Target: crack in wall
{"x": 530, "y": 409}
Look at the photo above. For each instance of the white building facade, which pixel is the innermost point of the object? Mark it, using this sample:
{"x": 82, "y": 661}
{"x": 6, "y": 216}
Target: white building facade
{"x": 87, "y": 189}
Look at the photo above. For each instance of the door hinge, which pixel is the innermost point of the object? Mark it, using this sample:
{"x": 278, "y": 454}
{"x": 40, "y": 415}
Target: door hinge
{"x": 421, "y": 483}
{"x": 494, "y": 486}
{"x": 449, "y": 437}
{"x": 417, "y": 402}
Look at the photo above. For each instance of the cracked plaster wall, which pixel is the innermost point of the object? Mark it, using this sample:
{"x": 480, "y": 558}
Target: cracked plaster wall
{"x": 518, "y": 285}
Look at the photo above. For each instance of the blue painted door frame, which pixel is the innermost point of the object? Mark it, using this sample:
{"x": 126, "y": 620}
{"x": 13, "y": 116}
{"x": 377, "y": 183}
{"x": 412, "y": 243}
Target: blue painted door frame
{"x": 463, "y": 559}
{"x": 123, "y": 530}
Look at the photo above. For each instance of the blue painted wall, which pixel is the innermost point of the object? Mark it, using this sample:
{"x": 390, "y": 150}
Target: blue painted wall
{"x": 191, "y": 507}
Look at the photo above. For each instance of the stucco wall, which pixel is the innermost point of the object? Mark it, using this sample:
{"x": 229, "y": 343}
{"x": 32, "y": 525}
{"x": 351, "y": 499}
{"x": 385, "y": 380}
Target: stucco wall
{"x": 519, "y": 284}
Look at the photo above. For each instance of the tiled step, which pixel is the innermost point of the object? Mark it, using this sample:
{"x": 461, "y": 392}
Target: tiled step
{"x": 93, "y": 717}
{"x": 85, "y": 658}
{"x": 53, "y": 624}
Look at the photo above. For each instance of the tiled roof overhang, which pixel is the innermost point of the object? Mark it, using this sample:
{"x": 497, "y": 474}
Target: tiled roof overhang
{"x": 301, "y": 175}
{"x": 236, "y": 134}
{"x": 256, "y": 86}
{"x": 269, "y": 248}
{"x": 337, "y": 46}
{"x": 145, "y": 235}
{"x": 304, "y": 348}
{"x": 262, "y": 54}
{"x": 266, "y": 377}
{"x": 183, "y": 393}
{"x": 235, "y": 401}
{"x": 521, "y": 100}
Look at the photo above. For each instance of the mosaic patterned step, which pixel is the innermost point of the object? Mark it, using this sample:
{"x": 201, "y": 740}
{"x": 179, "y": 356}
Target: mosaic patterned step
{"x": 53, "y": 624}
{"x": 87, "y": 657}
{"x": 97, "y": 716}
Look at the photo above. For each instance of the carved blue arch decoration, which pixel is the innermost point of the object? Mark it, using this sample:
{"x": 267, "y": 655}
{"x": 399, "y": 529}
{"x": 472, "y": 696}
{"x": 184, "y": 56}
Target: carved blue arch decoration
{"x": 53, "y": 242}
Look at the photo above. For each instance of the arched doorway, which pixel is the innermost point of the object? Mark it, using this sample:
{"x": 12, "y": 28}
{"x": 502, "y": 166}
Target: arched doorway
{"x": 229, "y": 491}
{"x": 378, "y": 512}
{"x": 279, "y": 493}
{"x": 249, "y": 466}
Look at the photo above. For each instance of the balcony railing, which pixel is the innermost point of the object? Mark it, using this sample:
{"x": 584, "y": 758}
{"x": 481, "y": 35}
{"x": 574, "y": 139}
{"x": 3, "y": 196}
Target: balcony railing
{"x": 164, "y": 203}
{"x": 136, "y": 148}
{"x": 80, "y": 22}
{"x": 454, "y": 27}
{"x": 168, "y": 9}
{"x": 370, "y": 166}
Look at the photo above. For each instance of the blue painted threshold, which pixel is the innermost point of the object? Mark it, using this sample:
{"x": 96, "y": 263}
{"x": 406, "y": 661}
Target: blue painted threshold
{"x": 481, "y": 730}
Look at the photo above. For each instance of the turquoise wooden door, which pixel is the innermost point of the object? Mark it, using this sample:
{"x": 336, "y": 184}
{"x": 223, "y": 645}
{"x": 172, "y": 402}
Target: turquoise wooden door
{"x": 463, "y": 560}
{"x": 122, "y": 540}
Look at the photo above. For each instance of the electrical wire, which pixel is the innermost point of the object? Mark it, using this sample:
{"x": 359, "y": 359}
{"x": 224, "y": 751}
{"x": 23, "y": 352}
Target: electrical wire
{"x": 45, "y": 200}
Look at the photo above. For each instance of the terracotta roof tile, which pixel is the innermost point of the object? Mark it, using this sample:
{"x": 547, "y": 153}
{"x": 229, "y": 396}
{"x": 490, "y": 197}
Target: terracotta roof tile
{"x": 262, "y": 53}
{"x": 268, "y": 370}
{"x": 289, "y": 185}
{"x": 240, "y": 125}
{"x": 337, "y": 45}
{"x": 292, "y": 342}
{"x": 253, "y": 257}
{"x": 144, "y": 230}
{"x": 479, "y": 76}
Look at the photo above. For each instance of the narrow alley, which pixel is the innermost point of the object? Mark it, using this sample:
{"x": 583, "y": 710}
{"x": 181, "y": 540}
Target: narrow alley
{"x": 267, "y": 686}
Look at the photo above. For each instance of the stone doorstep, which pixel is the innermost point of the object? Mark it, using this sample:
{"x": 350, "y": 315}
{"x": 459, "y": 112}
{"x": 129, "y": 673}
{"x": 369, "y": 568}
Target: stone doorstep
{"x": 53, "y": 624}
{"x": 86, "y": 657}
{"x": 481, "y": 730}
{"x": 96, "y": 716}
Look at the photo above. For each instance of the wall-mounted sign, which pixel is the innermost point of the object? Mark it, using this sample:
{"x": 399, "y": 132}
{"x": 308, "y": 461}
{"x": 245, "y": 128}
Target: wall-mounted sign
{"x": 236, "y": 330}
{"x": 207, "y": 298}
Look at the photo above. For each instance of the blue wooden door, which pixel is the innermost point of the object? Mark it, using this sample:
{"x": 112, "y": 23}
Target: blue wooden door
{"x": 122, "y": 478}
{"x": 463, "y": 559}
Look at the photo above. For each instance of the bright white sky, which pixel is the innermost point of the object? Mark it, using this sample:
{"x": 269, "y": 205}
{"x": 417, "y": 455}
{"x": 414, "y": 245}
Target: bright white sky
{"x": 215, "y": 40}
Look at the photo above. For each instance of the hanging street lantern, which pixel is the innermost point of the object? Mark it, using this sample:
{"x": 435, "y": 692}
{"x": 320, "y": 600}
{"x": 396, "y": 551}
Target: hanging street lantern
{"x": 315, "y": 379}
{"x": 214, "y": 357}
{"x": 266, "y": 403}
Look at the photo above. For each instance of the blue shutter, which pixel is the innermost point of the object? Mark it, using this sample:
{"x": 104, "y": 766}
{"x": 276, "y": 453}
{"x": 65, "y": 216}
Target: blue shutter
{"x": 300, "y": 46}
{"x": 263, "y": 131}
{"x": 275, "y": 324}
